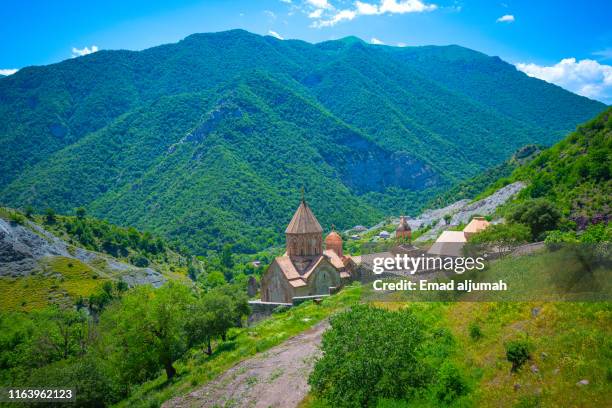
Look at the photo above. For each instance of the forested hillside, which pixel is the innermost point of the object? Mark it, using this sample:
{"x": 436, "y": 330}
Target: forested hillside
{"x": 573, "y": 176}
{"x": 210, "y": 139}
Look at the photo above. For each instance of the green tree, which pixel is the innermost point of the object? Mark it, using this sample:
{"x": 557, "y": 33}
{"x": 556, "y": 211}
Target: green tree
{"x": 211, "y": 280}
{"x": 369, "y": 353}
{"x": 146, "y": 330}
{"x": 80, "y": 213}
{"x": 227, "y": 259}
{"x": 500, "y": 238}
{"x": 517, "y": 352}
{"x": 50, "y": 216}
{"x": 540, "y": 215}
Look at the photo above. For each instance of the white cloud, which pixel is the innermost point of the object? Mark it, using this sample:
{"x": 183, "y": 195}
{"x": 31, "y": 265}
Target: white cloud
{"x": 8, "y": 71}
{"x": 405, "y": 6}
{"x": 270, "y": 14}
{"x": 334, "y": 16}
{"x": 586, "y": 77}
{"x": 341, "y": 15}
{"x": 320, "y": 4}
{"x": 402, "y": 44}
{"x": 316, "y": 14}
{"x": 376, "y": 41}
{"x": 506, "y": 18}
{"x": 76, "y": 52}
{"x": 366, "y": 8}
{"x": 275, "y": 34}
{"x": 286, "y": 1}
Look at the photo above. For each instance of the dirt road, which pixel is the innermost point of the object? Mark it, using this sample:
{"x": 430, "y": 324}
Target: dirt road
{"x": 275, "y": 378}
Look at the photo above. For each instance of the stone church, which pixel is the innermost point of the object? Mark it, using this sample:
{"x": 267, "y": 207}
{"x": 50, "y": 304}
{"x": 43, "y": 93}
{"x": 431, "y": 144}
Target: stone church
{"x": 306, "y": 269}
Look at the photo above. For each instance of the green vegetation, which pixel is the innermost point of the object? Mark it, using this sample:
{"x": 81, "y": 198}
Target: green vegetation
{"x": 517, "y": 352}
{"x": 141, "y": 249}
{"x": 519, "y": 355}
{"x": 63, "y": 280}
{"x": 569, "y": 184}
{"x": 500, "y": 237}
{"x": 145, "y": 344}
{"x": 568, "y": 342}
{"x": 207, "y": 141}
{"x": 371, "y": 353}
{"x": 140, "y": 332}
{"x": 60, "y": 281}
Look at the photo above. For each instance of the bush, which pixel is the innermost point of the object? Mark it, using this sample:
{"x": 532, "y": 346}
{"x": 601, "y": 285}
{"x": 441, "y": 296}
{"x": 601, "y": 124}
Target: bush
{"x": 539, "y": 215}
{"x": 16, "y": 218}
{"x": 517, "y": 352}
{"x": 475, "y": 331}
{"x": 499, "y": 237}
{"x": 50, "y": 216}
{"x": 370, "y": 353}
{"x": 450, "y": 384}
{"x": 139, "y": 261}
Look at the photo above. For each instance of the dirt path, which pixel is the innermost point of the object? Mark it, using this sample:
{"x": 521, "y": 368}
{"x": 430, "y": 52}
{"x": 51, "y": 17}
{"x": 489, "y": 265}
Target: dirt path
{"x": 275, "y": 378}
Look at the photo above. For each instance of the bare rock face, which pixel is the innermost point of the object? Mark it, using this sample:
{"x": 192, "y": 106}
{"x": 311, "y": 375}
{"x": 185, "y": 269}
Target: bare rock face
{"x": 461, "y": 211}
{"x": 22, "y": 247}
{"x": 146, "y": 276}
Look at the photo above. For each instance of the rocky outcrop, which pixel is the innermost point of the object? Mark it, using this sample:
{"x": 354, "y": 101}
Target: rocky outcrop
{"x": 461, "y": 211}
{"x": 23, "y": 247}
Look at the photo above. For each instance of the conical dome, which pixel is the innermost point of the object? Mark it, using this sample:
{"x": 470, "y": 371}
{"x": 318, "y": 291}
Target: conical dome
{"x": 303, "y": 234}
{"x": 303, "y": 221}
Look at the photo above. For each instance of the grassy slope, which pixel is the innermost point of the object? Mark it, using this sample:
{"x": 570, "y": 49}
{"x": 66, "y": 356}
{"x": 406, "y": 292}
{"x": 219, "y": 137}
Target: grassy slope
{"x": 570, "y": 342}
{"x": 60, "y": 280}
{"x": 574, "y": 174}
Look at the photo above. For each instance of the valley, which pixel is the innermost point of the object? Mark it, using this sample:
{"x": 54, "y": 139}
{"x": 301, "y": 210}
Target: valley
{"x": 145, "y": 218}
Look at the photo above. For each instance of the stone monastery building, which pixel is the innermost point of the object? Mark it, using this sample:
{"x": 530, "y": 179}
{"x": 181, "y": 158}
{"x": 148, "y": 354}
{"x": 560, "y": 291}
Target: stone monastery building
{"x": 306, "y": 269}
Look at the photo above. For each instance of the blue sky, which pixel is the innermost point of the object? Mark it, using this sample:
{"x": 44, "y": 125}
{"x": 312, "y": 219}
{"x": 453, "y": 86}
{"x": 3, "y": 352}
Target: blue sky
{"x": 568, "y": 43}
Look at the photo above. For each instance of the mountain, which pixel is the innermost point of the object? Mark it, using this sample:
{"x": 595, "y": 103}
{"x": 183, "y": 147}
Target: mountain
{"x": 472, "y": 187}
{"x": 574, "y": 174}
{"x": 210, "y": 139}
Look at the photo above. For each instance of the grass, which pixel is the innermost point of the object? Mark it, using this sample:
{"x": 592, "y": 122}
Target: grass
{"x": 570, "y": 342}
{"x": 60, "y": 280}
{"x": 198, "y": 368}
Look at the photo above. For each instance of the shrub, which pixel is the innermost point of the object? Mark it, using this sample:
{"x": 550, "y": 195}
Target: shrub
{"x": 499, "y": 237}
{"x": 139, "y": 261}
{"x": 450, "y": 384}
{"x": 50, "y": 216}
{"x": 539, "y": 215}
{"x": 370, "y": 353}
{"x": 16, "y": 218}
{"x": 475, "y": 331}
{"x": 517, "y": 352}
{"x": 29, "y": 211}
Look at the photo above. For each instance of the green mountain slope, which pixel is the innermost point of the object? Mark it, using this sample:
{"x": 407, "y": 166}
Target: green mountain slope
{"x": 209, "y": 140}
{"x": 573, "y": 175}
